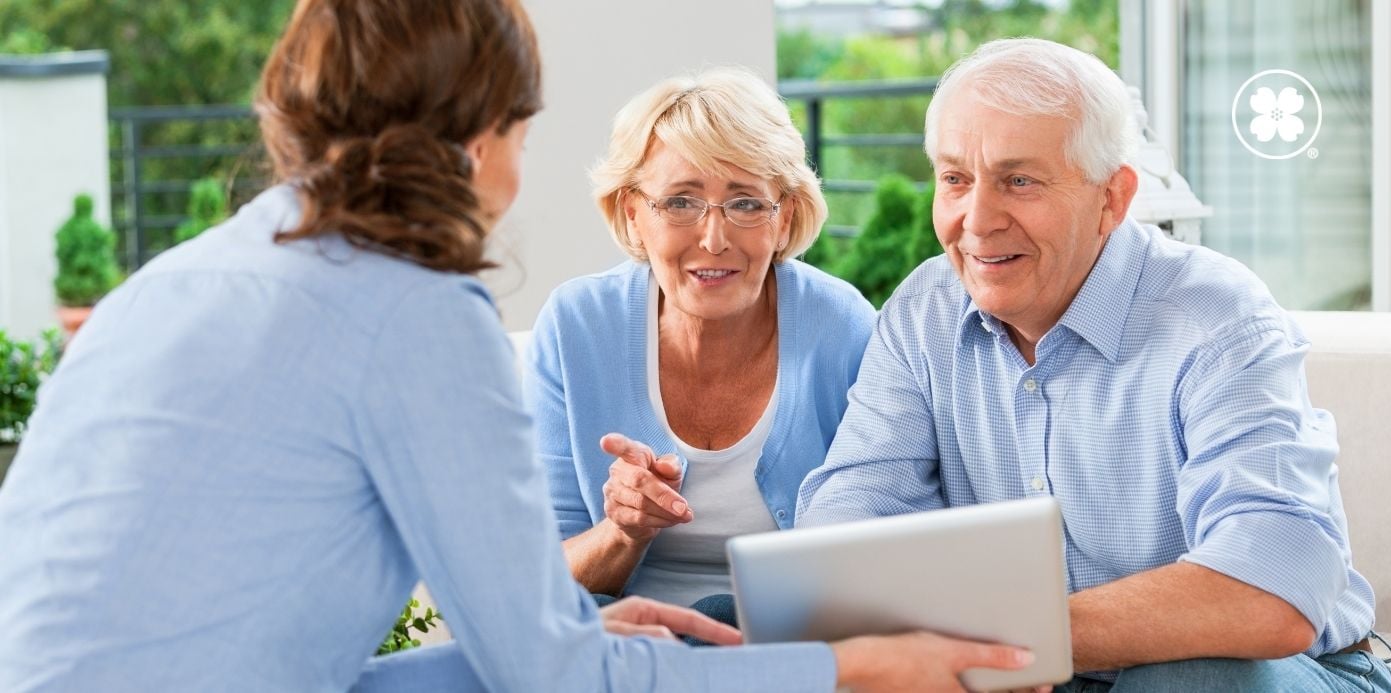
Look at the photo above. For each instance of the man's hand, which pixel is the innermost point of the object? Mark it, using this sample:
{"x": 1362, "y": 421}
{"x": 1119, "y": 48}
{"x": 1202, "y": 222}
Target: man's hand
{"x": 642, "y": 616}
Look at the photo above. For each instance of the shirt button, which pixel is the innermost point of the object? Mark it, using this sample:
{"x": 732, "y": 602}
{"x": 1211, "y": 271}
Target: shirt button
{"x": 1038, "y": 481}
{"x": 1030, "y": 385}
{"x": 782, "y": 514}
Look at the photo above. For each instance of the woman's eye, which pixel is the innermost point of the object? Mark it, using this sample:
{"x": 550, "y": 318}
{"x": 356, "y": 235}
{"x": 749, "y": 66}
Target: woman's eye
{"x": 677, "y": 203}
{"x": 746, "y": 204}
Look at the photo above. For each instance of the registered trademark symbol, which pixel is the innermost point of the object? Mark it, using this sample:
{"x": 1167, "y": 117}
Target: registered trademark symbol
{"x": 1313, "y": 153}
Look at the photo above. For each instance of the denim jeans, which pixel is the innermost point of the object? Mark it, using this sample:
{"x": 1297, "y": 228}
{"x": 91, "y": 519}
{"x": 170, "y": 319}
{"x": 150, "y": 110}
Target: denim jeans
{"x": 1358, "y": 671}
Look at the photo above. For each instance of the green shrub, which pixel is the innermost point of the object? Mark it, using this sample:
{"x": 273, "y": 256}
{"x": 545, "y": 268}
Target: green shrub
{"x": 86, "y": 257}
{"x": 23, "y": 367}
{"x": 876, "y": 259}
{"x": 400, "y": 636}
{"x": 923, "y": 243}
{"x": 207, "y": 207}
{"x": 898, "y": 237}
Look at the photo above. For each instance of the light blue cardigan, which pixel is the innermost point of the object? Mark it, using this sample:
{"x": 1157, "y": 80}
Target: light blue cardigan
{"x": 587, "y": 376}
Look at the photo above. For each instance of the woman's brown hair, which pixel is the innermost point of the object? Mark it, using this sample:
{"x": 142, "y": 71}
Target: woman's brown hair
{"x": 365, "y": 106}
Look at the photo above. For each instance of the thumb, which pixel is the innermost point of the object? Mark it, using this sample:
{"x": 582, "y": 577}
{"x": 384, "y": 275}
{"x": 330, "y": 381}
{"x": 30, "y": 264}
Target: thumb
{"x": 995, "y": 657}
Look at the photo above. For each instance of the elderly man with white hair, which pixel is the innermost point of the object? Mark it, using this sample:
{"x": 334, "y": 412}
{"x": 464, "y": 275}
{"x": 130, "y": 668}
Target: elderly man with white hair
{"x": 1155, "y": 389}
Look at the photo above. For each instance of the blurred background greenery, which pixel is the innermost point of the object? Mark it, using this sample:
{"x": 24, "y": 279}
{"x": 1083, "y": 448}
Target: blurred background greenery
{"x": 176, "y": 53}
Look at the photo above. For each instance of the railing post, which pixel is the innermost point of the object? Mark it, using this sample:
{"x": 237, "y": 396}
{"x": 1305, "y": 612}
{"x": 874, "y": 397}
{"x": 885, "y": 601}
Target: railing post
{"x": 814, "y": 134}
{"x": 135, "y": 236}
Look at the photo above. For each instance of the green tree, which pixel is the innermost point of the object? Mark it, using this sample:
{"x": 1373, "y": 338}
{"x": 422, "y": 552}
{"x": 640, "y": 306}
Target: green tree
{"x": 86, "y": 257}
{"x": 163, "y": 52}
{"x": 804, "y": 55}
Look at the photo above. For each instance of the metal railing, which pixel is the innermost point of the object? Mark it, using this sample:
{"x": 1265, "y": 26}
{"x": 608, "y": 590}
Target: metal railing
{"x": 816, "y": 94}
{"x": 139, "y": 223}
{"x": 133, "y": 156}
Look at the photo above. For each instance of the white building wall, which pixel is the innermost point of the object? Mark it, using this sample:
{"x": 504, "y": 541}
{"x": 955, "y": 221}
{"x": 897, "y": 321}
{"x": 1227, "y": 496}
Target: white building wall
{"x": 53, "y": 145}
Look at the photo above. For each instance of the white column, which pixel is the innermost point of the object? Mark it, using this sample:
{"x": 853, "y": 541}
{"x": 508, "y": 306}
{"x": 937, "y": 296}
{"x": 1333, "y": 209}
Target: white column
{"x": 596, "y": 55}
{"x": 53, "y": 145}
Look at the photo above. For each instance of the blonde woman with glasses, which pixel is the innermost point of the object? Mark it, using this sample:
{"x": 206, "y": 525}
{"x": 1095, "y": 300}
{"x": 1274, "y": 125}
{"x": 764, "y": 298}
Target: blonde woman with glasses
{"x": 681, "y": 397}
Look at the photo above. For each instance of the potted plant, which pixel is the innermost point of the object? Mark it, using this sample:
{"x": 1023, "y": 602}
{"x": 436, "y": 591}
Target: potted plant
{"x": 87, "y": 267}
{"x": 23, "y": 367}
{"x": 207, "y": 207}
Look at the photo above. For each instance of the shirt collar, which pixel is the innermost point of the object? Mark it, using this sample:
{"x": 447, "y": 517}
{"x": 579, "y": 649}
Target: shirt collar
{"x": 1098, "y": 313}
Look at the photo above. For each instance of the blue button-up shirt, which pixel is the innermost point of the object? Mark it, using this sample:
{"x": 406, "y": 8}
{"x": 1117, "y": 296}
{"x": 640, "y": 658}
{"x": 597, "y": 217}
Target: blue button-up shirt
{"x": 250, "y": 454}
{"x": 1166, "y": 412}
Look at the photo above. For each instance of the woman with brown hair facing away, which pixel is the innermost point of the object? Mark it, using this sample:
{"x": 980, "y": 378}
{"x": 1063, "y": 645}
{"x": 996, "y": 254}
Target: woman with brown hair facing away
{"x": 265, "y": 437}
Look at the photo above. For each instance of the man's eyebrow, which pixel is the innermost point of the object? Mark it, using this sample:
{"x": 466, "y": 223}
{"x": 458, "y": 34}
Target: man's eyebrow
{"x": 948, "y": 159}
{"x": 1004, "y": 164}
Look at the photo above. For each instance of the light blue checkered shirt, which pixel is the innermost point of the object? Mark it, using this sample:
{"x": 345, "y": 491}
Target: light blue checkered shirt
{"x": 1166, "y": 412}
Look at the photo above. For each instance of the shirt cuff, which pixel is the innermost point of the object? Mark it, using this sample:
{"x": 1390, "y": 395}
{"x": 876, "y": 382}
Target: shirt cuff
{"x": 793, "y": 667}
{"x": 1289, "y": 557}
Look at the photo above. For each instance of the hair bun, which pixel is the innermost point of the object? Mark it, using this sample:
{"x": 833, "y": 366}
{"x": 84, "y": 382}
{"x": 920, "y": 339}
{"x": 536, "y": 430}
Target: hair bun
{"x": 405, "y": 191}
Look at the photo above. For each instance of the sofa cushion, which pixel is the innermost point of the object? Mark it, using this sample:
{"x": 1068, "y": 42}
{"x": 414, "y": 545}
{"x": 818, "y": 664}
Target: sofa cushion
{"x": 1349, "y": 372}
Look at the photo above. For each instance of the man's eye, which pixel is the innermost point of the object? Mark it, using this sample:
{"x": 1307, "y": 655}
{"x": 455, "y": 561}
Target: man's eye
{"x": 951, "y": 179}
{"x": 1020, "y": 181}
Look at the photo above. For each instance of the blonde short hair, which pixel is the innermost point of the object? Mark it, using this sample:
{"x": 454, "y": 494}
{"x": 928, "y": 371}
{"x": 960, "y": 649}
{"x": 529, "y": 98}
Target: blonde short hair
{"x": 719, "y": 117}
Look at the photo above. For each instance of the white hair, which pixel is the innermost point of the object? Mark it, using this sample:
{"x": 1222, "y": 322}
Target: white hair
{"x": 1028, "y": 76}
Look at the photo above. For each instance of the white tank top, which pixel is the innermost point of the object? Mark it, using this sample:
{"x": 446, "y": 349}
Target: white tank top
{"x": 687, "y": 562}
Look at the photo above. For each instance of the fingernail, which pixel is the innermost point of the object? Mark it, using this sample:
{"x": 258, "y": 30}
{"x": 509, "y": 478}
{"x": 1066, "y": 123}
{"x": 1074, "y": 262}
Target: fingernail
{"x": 1024, "y": 657}
{"x": 679, "y": 508}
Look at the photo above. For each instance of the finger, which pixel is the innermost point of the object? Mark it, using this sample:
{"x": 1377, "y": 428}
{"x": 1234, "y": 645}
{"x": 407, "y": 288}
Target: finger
{"x": 628, "y": 517}
{"x": 668, "y": 469}
{"x": 691, "y": 622}
{"x": 651, "y": 486}
{"x": 619, "y": 494}
{"x": 627, "y": 449}
{"x": 631, "y": 629}
{"x": 623, "y": 494}
{"x": 663, "y": 495}
{"x": 972, "y": 655}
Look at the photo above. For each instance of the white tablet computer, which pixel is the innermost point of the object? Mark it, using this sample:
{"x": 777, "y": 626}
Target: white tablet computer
{"x": 993, "y": 573}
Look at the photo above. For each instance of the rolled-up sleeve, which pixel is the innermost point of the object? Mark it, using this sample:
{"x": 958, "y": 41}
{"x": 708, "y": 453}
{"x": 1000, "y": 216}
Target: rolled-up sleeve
{"x": 1258, "y": 479}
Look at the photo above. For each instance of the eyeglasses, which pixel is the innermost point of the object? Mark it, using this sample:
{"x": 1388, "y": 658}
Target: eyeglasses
{"x": 683, "y": 210}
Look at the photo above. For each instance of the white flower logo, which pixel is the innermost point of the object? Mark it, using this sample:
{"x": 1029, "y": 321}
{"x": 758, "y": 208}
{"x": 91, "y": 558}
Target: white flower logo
{"x": 1276, "y": 114}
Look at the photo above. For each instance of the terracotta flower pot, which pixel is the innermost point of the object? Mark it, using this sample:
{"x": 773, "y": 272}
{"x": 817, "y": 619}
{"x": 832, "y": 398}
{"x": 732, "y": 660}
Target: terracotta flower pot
{"x": 72, "y": 317}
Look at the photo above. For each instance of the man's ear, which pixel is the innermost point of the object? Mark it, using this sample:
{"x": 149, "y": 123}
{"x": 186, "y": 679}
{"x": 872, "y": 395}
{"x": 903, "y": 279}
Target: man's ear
{"x": 1120, "y": 192}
